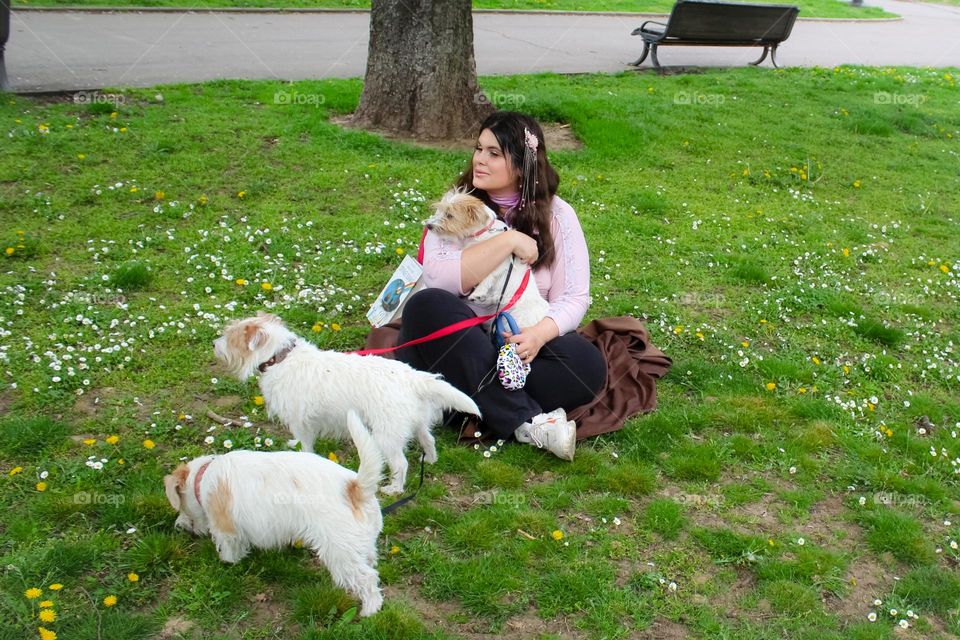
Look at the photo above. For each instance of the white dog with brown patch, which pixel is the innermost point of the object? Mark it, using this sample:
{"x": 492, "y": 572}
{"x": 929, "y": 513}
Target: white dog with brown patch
{"x": 260, "y": 499}
{"x": 311, "y": 391}
{"x": 466, "y": 218}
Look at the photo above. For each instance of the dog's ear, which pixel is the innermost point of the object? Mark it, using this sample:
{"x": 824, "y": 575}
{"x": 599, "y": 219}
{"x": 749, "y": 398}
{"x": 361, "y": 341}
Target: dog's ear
{"x": 174, "y": 485}
{"x": 254, "y": 335}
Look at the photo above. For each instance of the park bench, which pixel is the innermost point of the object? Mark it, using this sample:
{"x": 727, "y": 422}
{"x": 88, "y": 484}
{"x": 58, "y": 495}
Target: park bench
{"x": 719, "y": 24}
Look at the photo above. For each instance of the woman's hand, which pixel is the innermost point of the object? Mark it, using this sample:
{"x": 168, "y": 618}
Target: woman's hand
{"x": 531, "y": 339}
{"x": 524, "y": 247}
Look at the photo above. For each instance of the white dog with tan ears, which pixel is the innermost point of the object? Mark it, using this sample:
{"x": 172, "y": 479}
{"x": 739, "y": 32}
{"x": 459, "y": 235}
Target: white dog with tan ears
{"x": 464, "y": 217}
{"x": 260, "y": 499}
{"x": 312, "y": 391}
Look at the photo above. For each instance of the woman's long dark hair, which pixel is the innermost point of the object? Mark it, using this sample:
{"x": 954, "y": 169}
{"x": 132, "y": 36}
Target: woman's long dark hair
{"x": 533, "y": 219}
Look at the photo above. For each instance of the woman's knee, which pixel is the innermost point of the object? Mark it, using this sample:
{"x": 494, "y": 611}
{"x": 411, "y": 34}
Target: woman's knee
{"x": 429, "y": 301}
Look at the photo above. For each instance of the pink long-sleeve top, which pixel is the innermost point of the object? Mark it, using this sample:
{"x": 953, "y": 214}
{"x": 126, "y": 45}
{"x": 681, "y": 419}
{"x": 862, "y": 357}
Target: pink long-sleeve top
{"x": 565, "y": 284}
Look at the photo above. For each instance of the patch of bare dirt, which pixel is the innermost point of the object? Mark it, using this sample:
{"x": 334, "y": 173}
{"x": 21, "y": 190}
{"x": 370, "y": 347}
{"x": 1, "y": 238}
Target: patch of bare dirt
{"x": 93, "y": 401}
{"x": 449, "y": 617}
{"x": 662, "y": 629}
{"x": 560, "y": 137}
{"x": 177, "y": 628}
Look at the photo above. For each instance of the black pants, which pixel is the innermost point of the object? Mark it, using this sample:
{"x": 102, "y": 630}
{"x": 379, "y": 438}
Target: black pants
{"x": 566, "y": 373}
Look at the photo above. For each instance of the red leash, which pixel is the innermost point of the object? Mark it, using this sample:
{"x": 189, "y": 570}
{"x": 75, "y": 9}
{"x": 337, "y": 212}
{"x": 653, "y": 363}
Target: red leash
{"x": 453, "y": 328}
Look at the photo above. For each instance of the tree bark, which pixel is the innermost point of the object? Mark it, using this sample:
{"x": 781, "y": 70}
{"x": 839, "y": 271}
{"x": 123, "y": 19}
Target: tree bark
{"x": 421, "y": 77}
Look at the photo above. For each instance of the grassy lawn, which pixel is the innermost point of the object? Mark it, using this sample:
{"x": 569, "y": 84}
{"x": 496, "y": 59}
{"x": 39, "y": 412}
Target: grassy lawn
{"x": 791, "y": 236}
{"x": 808, "y": 8}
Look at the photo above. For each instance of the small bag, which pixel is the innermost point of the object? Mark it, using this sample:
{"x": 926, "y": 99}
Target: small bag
{"x": 511, "y": 369}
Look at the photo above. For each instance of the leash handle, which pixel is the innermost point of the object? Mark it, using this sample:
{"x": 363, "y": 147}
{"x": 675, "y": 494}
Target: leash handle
{"x": 498, "y": 328}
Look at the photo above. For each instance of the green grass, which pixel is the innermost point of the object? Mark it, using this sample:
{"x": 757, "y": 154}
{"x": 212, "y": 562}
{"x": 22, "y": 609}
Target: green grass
{"x": 808, "y": 8}
{"x": 792, "y": 244}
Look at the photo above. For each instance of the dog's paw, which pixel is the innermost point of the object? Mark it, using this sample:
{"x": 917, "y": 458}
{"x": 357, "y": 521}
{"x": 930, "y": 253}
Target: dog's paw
{"x": 430, "y": 457}
{"x": 392, "y": 489}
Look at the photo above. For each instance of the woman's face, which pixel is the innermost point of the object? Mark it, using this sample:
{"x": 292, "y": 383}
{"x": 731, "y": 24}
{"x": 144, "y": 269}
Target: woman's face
{"x": 492, "y": 170}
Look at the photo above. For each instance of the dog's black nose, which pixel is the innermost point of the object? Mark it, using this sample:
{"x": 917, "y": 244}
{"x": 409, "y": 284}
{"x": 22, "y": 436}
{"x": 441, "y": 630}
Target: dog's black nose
{"x": 429, "y": 227}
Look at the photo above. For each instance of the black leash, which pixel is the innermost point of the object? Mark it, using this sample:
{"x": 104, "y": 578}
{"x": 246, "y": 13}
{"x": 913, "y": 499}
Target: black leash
{"x": 404, "y": 500}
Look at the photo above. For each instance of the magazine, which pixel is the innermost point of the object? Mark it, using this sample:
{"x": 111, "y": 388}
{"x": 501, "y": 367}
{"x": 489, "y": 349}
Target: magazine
{"x": 389, "y": 304}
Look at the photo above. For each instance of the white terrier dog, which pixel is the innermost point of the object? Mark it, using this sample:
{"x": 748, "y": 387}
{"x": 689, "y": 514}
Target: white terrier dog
{"x": 466, "y": 218}
{"x": 247, "y": 499}
{"x": 311, "y": 391}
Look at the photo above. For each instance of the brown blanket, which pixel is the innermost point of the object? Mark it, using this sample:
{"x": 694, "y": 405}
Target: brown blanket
{"x": 633, "y": 367}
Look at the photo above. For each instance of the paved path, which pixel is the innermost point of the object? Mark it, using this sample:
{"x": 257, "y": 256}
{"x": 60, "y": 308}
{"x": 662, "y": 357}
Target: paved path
{"x": 62, "y": 51}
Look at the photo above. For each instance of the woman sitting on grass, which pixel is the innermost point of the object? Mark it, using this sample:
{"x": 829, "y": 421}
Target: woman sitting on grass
{"x": 510, "y": 172}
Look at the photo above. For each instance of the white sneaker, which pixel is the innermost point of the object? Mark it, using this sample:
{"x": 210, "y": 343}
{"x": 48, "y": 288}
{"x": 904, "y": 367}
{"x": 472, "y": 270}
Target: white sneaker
{"x": 551, "y": 431}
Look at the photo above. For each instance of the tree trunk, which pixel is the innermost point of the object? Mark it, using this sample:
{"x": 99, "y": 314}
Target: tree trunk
{"x": 421, "y": 76}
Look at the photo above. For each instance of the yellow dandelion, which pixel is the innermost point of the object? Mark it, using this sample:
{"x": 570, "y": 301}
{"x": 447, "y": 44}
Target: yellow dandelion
{"x": 856, "y": 184}
{"x": 90, "y": 441}
{"x": 9, "y": 251}
{"x": 944, "y": 268}
{"x": 258, "y": 400}
{"x": 557, "y": 535}
{"x": 202, "y": 200}
{"x": 802, "y": 390}
{"x": 132, "y": 577}
{"x": 771, "y": 542}
{"x": 316, "y": 327}
{"x": 242, "y": 194}
{"x": 334, "y": 326}
{"x": 81, "y": 156}
{"x": 134, "y": 189}
{"x": 47, "y": 615}
{"x": 815, "y": 360}
{"x": 56, "y": 586}
{"x": 846, "y": 252}
{"x": 266, "y": 286}
{"x": 159, "y": 195}
{"x": 46, "y": 634}
{"x": 931, "y": 263}
{"x": 745, "y": 343}
{"x": 123, "y": 129}
{"x": 678, "y": 329}
{"x": 41, "y": 486}
{"x": 400, "y": 251}
{"x": 333, "y": 456}
{"x": 15, "y": 471}
{"x": 121, "y": 461}
{"x": 46, "y": 604}
{"x": 846, "y": 369}
{"x": 109, "y": 601}
{"x": 699, "y": 335}
{"x": 771, "y": 386}
{"x": 112, "y": 439}
{"x": 113, "y": 115}
{"x": 149, "y": 444}
{"x": 394, "y": 550}
{"x": 746, "y": 172}
{"x": 32, "y": 593}
{"x": 241, "y": 282}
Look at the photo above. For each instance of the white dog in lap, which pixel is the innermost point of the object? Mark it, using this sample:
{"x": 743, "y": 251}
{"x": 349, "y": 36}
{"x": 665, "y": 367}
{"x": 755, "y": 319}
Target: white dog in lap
{"x": 247, "y": 499}
{"x": 311, "y": 391}
{"x": 464, "y": 217}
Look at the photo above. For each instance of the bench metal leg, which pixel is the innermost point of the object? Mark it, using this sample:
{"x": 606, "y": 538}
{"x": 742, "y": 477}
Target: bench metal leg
{"x": 653, "y": 56}
{"x": 763, "y": 57}
{"x": 773, "y": 57}
{"x": 643, "y": 56}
